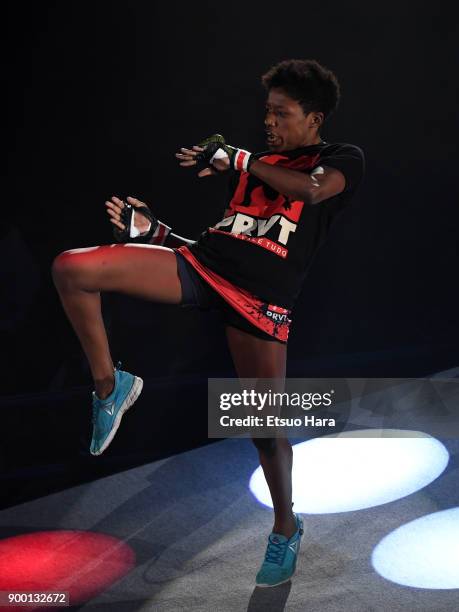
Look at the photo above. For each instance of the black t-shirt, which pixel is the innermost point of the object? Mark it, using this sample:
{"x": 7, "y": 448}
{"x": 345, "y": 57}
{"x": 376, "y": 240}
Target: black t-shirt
{"x": 266, "y": 241}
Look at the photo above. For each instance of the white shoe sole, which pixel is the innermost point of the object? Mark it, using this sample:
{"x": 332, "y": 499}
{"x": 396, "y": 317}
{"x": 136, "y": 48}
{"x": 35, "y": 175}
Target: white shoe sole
{"x": 131, "y": 397}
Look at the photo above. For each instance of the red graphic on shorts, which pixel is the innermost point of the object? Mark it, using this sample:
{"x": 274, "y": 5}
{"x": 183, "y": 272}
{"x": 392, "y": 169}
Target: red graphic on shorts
{"x": 272, "y": 319}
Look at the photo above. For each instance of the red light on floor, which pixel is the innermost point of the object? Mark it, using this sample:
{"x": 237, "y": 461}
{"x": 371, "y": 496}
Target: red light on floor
{"x": 80, "y": 562}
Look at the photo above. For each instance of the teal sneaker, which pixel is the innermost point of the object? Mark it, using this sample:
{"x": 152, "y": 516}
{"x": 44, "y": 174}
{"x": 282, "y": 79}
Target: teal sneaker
{"x": 107, "y": 413}
{"x": 280, "y": 559}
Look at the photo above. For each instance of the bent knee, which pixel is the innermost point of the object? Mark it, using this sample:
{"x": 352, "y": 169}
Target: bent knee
{"x": 72, "y": 258}
{"x": 67, "y": 265}
{"x": 62, "y": 264}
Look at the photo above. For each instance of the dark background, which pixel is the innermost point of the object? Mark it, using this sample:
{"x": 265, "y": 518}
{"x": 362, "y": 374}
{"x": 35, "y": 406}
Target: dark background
{"x": 102, "y": 94}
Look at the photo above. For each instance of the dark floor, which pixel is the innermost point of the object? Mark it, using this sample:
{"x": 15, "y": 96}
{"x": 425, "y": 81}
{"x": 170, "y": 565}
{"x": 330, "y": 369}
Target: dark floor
{"x": 198, "y": 535}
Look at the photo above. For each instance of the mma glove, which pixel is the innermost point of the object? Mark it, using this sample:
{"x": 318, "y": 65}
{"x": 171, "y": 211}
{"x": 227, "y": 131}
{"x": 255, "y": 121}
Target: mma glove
{"x": 215, "y": 147}
{"x": 156, "y": 234}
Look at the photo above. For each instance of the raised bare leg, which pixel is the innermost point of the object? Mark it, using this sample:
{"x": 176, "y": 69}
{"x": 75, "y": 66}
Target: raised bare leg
{"x": 80, "y": 275}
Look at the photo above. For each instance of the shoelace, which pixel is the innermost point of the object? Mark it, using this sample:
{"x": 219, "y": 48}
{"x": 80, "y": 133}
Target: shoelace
{"x": 276, "y": 552}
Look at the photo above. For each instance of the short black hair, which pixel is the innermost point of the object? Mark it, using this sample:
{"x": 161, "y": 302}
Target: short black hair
{"x": 312, "y": 85}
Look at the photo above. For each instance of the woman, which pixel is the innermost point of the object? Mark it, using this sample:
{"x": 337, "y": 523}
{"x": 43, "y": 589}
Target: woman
{"x": 251, "y": 265}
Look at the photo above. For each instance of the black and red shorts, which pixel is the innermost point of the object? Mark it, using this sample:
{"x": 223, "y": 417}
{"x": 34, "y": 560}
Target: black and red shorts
{"x": 206, "y": 290}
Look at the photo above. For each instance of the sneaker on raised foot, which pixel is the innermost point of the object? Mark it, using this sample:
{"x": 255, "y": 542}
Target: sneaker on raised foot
{"x": 107, "y": 413}
{"x": 280, "y": 559}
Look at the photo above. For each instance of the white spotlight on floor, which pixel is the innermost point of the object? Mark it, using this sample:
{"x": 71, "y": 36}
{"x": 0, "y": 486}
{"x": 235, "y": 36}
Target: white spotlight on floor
{"x": 423, "y": 553}
{"x": 358, "y": 469}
